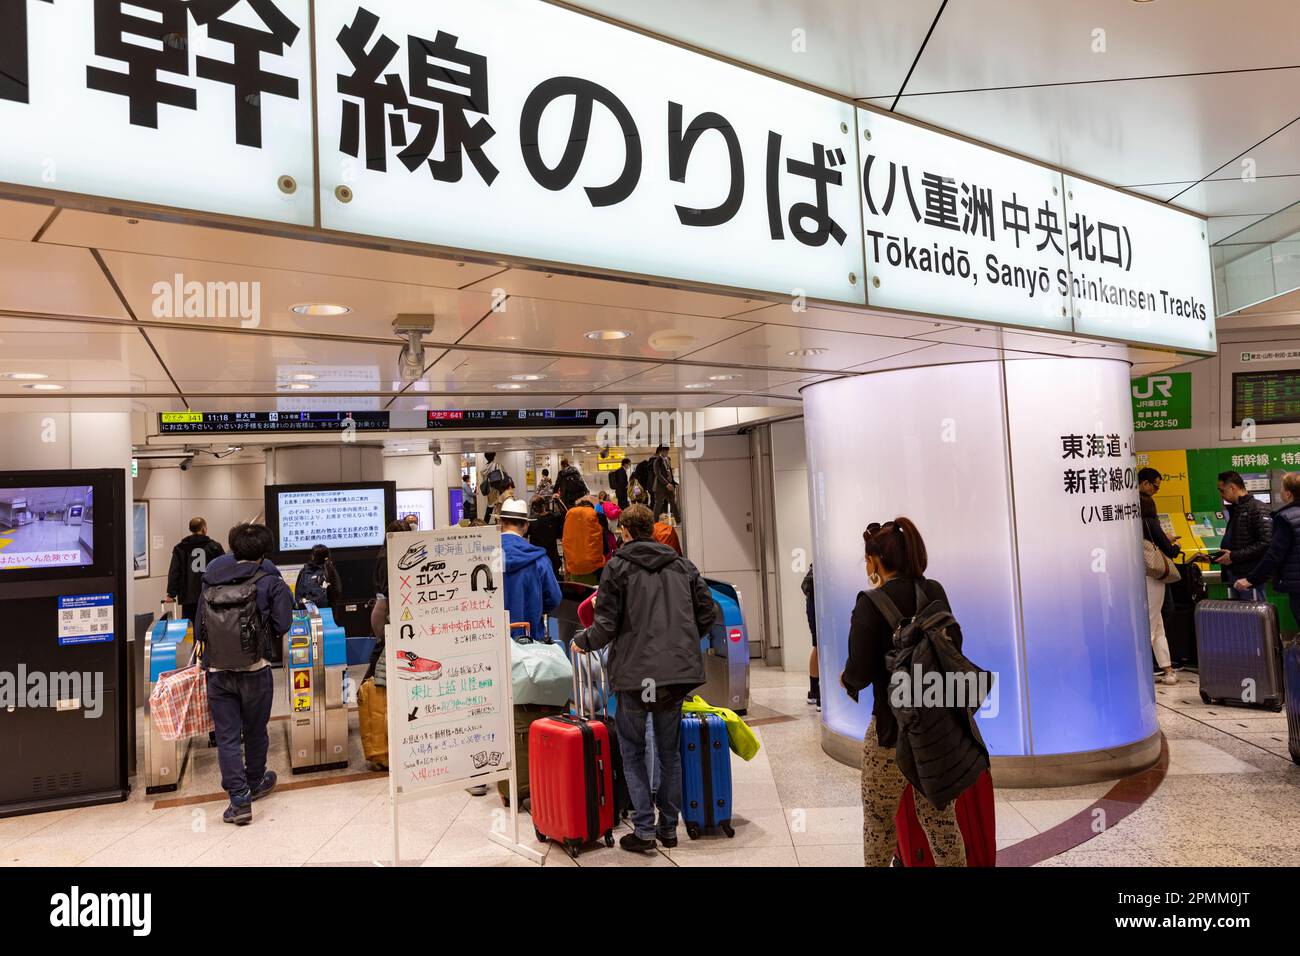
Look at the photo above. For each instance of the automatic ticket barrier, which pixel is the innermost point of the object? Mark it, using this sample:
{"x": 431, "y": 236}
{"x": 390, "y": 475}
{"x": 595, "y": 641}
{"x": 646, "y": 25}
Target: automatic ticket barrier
{"x": 164, "y": 760}
{"x": 316, "y": 666}
{"x": 726, "y": 652}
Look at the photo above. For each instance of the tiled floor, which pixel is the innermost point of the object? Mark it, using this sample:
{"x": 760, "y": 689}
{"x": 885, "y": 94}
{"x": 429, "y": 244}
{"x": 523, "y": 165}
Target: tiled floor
{"x": 1230, "y": 798}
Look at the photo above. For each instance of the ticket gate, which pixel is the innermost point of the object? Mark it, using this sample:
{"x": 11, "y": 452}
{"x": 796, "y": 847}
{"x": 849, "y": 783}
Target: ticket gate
{"x": 164, "y": 760}
{"x": 316, "y": 666}
{"x": 726, "y": 652}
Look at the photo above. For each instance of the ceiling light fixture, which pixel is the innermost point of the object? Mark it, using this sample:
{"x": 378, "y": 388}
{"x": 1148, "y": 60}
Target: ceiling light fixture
{"x": 44, "y": 387}
{"x": 609, "y": 335}
{"x": 304, "y": 377}
{"x": 806, "y": 353}
{"x": 509, "y": 386}
{"x": 700, "y": 385}
{"x": 317, "y": 309}
{"x": 24, "y": 376}
{"x": 295, "y": 387}
{"x": 526, "y": 378}
{"x": 724, "y": 378}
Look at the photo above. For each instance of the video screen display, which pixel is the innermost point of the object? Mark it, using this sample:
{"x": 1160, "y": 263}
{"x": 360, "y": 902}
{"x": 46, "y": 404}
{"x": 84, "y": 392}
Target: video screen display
{"x": 1266, "y": 398}
{"x": 47, "y": 527}
{"x": 416, "y": 503}
{"x": 334, "y": 517}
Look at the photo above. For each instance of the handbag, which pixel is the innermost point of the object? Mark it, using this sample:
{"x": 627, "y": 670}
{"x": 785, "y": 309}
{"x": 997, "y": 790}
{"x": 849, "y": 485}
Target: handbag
{"x": 1158, "y": 566}
{"x": 178, "y": 705}
{"x": 539, "y": 673}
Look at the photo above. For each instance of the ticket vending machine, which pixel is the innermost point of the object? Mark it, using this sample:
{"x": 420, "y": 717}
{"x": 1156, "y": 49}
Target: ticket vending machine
{"x": 64, "y": 719}
{"x": 316, "y": 667}
{"x": 164, "y": 760}
{"x": 726, "y": 652}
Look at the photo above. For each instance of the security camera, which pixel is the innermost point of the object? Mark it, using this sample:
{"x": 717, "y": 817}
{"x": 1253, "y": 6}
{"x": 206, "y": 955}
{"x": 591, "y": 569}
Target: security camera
{"x": 412, "y": 327}
{"x": 186, "y": 463}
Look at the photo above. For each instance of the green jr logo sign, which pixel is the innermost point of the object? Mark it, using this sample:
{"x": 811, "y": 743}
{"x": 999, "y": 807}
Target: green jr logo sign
{"x": 1162, "y": 402}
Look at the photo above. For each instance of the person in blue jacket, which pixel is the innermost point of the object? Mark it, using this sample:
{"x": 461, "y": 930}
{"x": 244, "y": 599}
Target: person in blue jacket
{"x": 530, "y": 585}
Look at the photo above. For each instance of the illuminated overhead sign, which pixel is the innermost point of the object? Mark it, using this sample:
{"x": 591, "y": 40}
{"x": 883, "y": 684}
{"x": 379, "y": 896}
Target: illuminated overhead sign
{"x": 203, "y": 423}
{"x": 525, "y": 130}
{"x": 469, "y": 420}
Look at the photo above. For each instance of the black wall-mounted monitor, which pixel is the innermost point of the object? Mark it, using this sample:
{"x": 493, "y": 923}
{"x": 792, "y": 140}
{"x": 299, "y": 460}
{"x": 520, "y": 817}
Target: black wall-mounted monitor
{"x": 50, "y": 528}
{"x": 349, "y": 517}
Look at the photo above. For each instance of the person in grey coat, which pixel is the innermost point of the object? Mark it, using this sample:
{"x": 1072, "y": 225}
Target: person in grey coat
{"x": 652, "y": 609}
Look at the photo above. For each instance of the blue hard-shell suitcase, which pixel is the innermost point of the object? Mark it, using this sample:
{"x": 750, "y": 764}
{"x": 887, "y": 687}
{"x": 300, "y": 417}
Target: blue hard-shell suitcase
{"x": 1291, "y": 669}
{"x": 706, "y": 775}
{"x": 1239, "y": 653}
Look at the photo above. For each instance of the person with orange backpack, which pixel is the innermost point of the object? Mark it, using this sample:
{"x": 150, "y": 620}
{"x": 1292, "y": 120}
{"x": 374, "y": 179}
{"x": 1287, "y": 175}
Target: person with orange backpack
{"x": 584, "y": 543}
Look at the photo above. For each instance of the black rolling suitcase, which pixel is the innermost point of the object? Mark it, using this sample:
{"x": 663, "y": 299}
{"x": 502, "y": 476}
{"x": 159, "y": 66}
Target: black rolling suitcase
{"x": 1240, "y": 653}
{"x": 1180, "y": 615}
{"x": 1291, "y": 668}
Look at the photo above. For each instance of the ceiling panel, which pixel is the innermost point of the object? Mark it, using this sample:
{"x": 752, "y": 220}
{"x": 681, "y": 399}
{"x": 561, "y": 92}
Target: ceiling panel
{"x": 979, "y": 44}
{"x": 706, "y": 380}
{"x": 1223, "y": 227}
{"x": 608, "y": 292}
{"x": 80, "y": 356}
{"x": 55, "y": 281}
{"x": 847, "y": 320}
{"x": 1238, "y": 197}
{"x": 771, "y": 345}
{"x": 22, "y": 220}
{"x": 1138, "y": 131}
{"x": 175, "y": 240}
{"x": 563, "y": 326}
{"x": 863, "y": 48}
{"x": 636, "y": 400}
{"x": 274, "y": 292}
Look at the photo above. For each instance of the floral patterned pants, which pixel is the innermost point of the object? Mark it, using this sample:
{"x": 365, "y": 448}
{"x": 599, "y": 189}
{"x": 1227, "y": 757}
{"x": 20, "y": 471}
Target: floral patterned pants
{"x": 882, "y": 785}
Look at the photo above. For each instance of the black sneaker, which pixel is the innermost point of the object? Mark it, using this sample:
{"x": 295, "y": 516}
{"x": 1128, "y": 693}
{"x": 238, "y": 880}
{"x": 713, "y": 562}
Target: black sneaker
{"x": 240, "y": 814}
{"x": 669, "y": 840}
{"x": 269, "y": 780}
{"x": 634, "y": 844}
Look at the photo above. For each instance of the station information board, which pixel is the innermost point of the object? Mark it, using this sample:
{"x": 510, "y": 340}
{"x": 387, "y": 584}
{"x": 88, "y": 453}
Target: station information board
{"x": 1266, "y": 398}
{"x": 518, "y": 418}
{"x": 203, "y": 423}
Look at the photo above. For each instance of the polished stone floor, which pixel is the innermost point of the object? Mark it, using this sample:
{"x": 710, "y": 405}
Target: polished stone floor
{"x": 1230, "y": 798}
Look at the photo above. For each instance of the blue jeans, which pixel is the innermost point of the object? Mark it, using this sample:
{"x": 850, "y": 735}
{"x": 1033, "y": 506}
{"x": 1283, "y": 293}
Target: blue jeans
{"x": 631, "y": 724}
{"x": 241, "y": 709}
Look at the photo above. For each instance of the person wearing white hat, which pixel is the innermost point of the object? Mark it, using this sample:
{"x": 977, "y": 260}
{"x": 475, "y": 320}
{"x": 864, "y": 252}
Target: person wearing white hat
{"x": 530, "y": 586}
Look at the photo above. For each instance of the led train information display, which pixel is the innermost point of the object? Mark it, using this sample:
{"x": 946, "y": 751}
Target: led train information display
{"x": 201, "y": 423}
{"x": 519, "y": 418}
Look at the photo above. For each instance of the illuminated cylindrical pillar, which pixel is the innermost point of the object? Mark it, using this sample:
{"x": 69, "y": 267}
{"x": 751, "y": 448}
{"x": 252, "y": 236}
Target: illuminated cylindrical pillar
{"x": 1021, "y": 476}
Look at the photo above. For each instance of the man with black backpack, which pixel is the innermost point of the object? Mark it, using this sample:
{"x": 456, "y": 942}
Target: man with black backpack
{"x": 495, "y": 483}
{"x": 569, "y": 484}
{"x": 245, "y": 606}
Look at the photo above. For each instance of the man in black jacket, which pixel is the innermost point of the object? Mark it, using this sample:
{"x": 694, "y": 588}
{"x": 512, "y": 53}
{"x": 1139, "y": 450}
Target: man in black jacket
{"x": 653, "y": 607}
{"x": 569, "y": 484}
{"x": 665, "y": 485}
{"x": 1246, "y": 540}
{"x": 190, "y": 558}
{"x": 618, "y": 482}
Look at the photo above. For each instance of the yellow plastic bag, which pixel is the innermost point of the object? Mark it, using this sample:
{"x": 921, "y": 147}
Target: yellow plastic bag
{"x": 743, "y": 742}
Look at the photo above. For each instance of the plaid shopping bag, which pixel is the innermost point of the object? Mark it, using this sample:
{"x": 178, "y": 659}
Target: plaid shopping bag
{"x": 179, "y": 704}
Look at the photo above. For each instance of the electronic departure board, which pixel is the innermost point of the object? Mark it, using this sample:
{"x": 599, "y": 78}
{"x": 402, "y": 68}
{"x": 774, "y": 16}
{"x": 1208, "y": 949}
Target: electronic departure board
{"x": 205, "y": 423}
{"x": 519, "y": 418}
{"x": 1266, "y": 398}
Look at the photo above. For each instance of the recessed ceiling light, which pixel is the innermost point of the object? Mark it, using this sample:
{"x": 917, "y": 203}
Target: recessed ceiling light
{"x": 805, "y": 353}
{"x": 723, "y": 378}
{"x": 609, "y": 335}
{"x": 44, "y": 387}
{"x": 304, "y": 377}
{"x": 509, "y": 386}
{"x": 671, "y": 340}
{"x": 321, "y": 308}
{"x": 419, "y": 408}
{"x": 700, "y": 385}
{"x": 295, "y": 387}
{"x": 24, "y": 376}
{"x": 527, "y": 378}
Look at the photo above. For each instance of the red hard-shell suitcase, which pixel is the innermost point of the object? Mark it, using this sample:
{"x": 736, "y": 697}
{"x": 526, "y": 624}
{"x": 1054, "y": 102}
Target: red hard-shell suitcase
{"x": 975, "y": 818}
{"x": 571, "y": 773}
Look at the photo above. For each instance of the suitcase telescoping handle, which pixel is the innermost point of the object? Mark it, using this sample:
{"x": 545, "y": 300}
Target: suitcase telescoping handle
{"x": 583, "y": 678}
